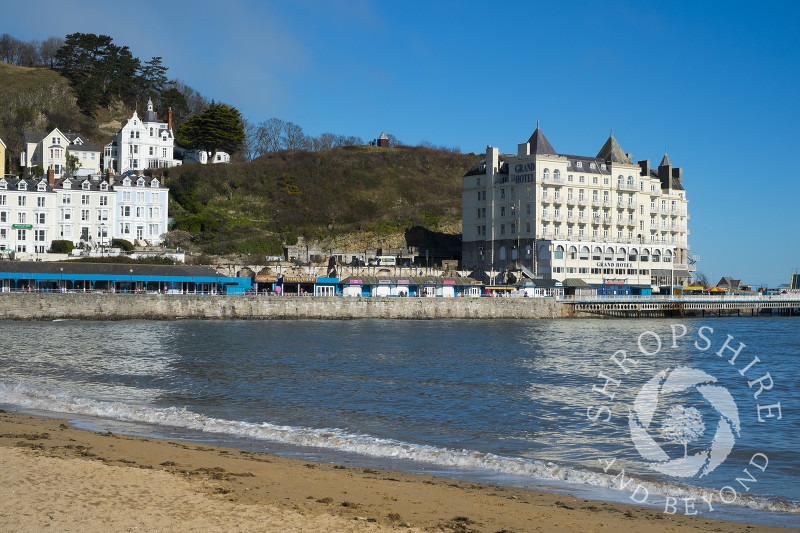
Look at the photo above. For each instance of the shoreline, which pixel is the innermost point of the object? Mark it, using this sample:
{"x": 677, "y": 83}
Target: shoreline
{"x": 118, "y": 482}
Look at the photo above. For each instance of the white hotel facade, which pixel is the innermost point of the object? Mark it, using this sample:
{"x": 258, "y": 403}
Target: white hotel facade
{"x": 601, "y": 219}
{"x": 89, "y": 210}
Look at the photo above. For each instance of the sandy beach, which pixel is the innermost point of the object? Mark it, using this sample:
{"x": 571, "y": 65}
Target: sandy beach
{"x": 56, "y": 478}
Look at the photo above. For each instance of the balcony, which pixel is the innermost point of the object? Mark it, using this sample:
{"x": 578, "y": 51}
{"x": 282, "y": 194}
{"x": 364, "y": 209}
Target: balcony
{"x": 571, "y": 200}
{"x": 626, "y": 187}
{"x": 632, "y": 205}
{"x": 595, "y": 219}
{"x": 552, "y": 181}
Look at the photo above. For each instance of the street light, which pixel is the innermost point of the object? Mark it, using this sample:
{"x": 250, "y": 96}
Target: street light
{"x": 131, "y": 271}
{"x": 61, "y": 283}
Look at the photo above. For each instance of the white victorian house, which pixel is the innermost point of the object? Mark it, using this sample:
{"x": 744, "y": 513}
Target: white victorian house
{"x": 142, "y": 143}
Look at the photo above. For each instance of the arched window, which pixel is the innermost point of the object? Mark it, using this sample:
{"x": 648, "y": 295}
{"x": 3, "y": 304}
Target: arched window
{"x": 620, "y": 180}
{"x": 546, "y": 174}
{"x": 597, "y": 253}
{"x": 556, "y": 174}
{"x": 668, "y": 256}
{"x": 645, "y": 255}
{"x": 502, "y": 253}
{"x": 572, "y": 252}
{"x": 633, "y": 255}
{"x": 621, "y": 254}
{"x": 584, "y": 253}
{"x": 630, "y": 181}
{"x": 513, "y": 253}
{"x": 609, "y": 255}
{"x": 656, "y": 256}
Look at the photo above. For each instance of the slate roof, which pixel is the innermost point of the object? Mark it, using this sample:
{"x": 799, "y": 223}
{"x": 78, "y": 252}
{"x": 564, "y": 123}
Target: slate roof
{"x": 575, "y": 282}
{"x": 612, "y": 152}
{"x": 33, "y": 137}
{"x": 540, "y": 144}
{"x": 105, "y": 269}
{"x": 479, "y": 168}
{"x": 665, "y": 160}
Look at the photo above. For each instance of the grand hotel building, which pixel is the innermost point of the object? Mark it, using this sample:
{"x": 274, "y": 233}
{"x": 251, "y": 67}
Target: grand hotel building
{"x": 600, "y": 219}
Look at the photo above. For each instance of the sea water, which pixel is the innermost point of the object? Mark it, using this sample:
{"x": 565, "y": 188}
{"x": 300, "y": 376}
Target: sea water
{"x": 544, "y": 404}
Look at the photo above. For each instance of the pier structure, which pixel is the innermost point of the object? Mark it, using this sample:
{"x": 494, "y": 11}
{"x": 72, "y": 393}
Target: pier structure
{"x": 694, "y": 305}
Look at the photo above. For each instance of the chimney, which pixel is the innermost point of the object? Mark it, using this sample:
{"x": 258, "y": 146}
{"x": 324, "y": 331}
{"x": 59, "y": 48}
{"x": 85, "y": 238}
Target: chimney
{"x": 645, "y": 167}
{"x": 169, "y": 119}
{"x": 51, "y": 176}
{"x": 110, "y": 176}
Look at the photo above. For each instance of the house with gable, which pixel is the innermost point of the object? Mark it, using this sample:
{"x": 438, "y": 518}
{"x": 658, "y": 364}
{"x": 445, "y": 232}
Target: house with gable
{"x": 44, "y": 150}
{"x": 142, "y": 143}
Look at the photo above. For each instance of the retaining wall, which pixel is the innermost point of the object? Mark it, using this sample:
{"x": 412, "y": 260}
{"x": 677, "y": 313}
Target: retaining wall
{"x": 37, "y": 306}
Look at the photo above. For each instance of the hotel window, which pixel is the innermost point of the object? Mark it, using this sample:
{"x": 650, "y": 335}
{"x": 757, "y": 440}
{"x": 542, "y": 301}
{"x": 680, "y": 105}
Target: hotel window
{"x": 579, "y": 164}
{"x": 124, "y": 210}
{"x": 594, "y": 180}
{"x": 605, "y": 181}
{"x": 3, "y": 199}
{"x": 483, "y": 212}
{"x": 22, "y": 235}
{"x": 104, "y": 200}
{"x": 513, "y": 229}
{"x": 139, "y": 212}
{"x": 502, "y": 229}
{"x": 581, "y": 180}
{"x": 66, "y": 199}
{"x": 569, "y": 178}
{"x": 502, "y": 194}
{"x": 528, "y": 209}
{"x": 3, "y": 216}
{"x": 154, "y": 229}
{"x": 3, "y": 234}
{"x": 151, "y": 133}
{"x": 40, "y": 201}
{"x": 126, "y": 196}
{"x": 84, "y": 214}
{"x": 479, "y": 196}
{"x": 21, "y": 218}
{"x": 84, "y": 199}
{"x": 151, "y": 150}
{"x": 502, "y": 211}
{"x": 479, "y": 213}
{"x": 527, "y": 227}
{"x": 164, "y": 154}
{"x": 22, "y": 201}
{"x": 39, "y": 235}
{"x": 40, "y": 218}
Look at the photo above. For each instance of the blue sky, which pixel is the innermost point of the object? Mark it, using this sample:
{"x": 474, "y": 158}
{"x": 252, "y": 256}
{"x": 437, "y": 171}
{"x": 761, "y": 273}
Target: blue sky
{"x": 716, "y": 84}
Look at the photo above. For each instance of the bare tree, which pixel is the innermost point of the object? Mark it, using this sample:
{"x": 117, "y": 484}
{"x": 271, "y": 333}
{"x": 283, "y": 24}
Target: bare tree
{"x": 270, "y": 135}
{"x": 48, "y": 49}
{"x": 293, "y": 137}
{"x": 9, "y": 48}
{"x": 28, "y": 54}
{"x": 683, "y": 426}
{"x": 701, "y": 278}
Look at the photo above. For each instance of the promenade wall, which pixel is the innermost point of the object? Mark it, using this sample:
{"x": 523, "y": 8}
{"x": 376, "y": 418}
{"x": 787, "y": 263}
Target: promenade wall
{"x": 93, "y": 306}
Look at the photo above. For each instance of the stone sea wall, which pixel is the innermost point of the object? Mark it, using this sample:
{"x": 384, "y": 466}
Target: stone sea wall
{"x": 36, "y": 306}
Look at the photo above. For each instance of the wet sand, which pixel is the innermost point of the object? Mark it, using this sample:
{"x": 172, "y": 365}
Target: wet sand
{"x": 55, "y": 478}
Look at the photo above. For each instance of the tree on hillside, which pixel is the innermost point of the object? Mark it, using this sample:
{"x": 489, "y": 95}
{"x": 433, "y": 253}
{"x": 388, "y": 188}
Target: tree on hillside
{"x": 98, "y": 70}
{"x": 154, "y": 78}
{"x": 48, "y": 50}
{"x": 218, "y": 128}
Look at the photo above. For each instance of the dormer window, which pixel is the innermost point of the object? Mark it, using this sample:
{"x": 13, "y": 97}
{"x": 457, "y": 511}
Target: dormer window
{"x": 23, "y": 186}
{"x": 126, "y": 182}
{"x": 140, "y": 182}
{"x": 592, "y": 166}
{"x": 603, "y": 166}
{"x": 154, "y": 183}
{"x": 85, "y": 185}
{"x": 104, "y": 186}
{"x": 579, "y": 164}
{"x": 42, "y": 186}
{"x": 3, "y": 184}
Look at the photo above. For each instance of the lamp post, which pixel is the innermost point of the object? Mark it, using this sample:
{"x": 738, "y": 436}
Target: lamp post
{"x": 131, "y": 272}
{"x": 61, "y": 283}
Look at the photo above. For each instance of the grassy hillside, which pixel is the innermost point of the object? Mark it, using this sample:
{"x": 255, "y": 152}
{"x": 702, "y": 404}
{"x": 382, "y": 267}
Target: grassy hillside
{"x": 38, "y": 99}
{"x": 348, "y": 197}
{"x": 342, "y": 197}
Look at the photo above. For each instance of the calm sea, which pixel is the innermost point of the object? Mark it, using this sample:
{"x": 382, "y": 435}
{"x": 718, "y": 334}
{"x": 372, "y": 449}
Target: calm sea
{"x": 623, "y": 410}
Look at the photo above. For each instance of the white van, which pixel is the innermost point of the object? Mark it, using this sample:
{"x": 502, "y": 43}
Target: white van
{"x": 383, "y": 260}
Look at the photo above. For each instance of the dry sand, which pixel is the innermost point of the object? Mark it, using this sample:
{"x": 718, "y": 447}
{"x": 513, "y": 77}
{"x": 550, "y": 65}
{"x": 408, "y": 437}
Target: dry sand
{"x": 55, "y": 478}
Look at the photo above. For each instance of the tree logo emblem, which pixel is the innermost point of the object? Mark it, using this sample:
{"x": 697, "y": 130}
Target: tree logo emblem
{"x": 683, "y": 425}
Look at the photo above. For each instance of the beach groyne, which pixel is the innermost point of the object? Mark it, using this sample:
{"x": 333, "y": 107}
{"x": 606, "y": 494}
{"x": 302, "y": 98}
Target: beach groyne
{"x": 94, "y": 306}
